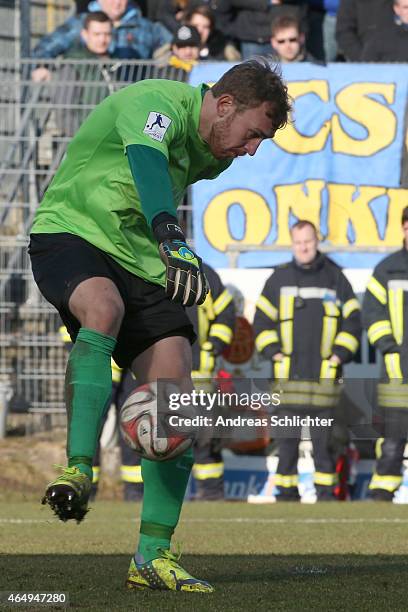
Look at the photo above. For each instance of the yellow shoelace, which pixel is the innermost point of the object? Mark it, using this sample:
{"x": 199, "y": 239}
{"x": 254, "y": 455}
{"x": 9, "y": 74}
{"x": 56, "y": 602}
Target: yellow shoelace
{"x": 67, "y": 470}
{"x": 171, "y": 556}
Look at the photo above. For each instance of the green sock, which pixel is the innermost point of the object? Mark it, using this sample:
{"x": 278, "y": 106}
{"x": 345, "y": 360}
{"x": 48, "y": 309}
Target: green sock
{"x": 88, "y": 388}
{"x": 165, "y": 485}
{"x": 149, "y": 545}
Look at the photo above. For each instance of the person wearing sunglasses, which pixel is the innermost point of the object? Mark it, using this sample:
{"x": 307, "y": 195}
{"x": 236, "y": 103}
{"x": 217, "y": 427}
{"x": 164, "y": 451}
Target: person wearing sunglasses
{"x": 288, "y": 40}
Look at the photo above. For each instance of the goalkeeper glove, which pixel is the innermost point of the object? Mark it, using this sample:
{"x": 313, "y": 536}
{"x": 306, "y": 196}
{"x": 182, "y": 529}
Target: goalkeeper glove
{"x": 185, "y": 279}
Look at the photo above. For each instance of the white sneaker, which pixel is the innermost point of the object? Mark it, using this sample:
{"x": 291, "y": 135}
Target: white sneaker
{"x": 308, "y": 499}
{"x": 261, "y": 499}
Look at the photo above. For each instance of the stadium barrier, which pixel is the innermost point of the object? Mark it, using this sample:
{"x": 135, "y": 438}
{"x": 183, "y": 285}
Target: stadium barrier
{"x": 24, "y": 22}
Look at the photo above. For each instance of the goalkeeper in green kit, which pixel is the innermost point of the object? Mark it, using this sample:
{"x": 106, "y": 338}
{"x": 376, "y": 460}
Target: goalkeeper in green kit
{"x": 108, "y": 253}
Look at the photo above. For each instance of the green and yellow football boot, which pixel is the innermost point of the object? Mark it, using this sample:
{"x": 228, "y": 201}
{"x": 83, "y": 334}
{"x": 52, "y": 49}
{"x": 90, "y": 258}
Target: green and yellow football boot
{"x": 68, "y": 495}
{"x": 165, "y": 574}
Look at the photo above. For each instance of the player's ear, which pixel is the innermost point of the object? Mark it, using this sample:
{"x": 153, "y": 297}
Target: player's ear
{"x": 225, "y": 105}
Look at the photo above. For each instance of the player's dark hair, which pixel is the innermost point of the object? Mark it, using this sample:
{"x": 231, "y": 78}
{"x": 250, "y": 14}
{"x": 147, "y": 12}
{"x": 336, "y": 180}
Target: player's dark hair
{"x": 301, "y": 223}
{"x": 404, "y": 216}
{"x": 99, "y": 16}
{"x": 283, "y": 22}
{"x": 253, "y": 82}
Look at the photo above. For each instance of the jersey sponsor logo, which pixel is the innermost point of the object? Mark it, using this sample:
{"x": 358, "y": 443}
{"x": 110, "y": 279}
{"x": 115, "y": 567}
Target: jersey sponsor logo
{"x": 156, "y": 126}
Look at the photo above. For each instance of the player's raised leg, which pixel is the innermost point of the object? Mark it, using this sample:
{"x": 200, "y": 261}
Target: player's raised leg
{"x": 165, "y": 483}
{"x": 97, "y": 305}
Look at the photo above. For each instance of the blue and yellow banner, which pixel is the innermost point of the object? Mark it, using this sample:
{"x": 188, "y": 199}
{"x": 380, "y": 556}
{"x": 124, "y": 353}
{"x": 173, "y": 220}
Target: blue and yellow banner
{"x": 338, "y": 164}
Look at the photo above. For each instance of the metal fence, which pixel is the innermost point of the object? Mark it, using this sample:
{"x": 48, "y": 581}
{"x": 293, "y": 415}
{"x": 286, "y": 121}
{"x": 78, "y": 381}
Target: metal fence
{"x": 46, "y": 16}
{"x": 9, "y": 30}
{"x": 37, "y": 121}
{"x": 24, "y": 22}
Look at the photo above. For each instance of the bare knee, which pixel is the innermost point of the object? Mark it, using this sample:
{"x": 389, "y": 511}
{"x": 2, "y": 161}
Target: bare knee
{"x": 167, "y": 358}
{"x": 105, "y": 317}
{"x": 97, "y": 304}
{"x": 181, "y": 359}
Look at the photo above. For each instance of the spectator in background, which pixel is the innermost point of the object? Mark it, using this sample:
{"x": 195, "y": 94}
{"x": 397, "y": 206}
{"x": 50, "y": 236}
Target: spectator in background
{"x": 75, "y": 88}
{"x": 390, "y": 44}
{"x": 213, "y": 323}
{"x": 357, "y": 22}
{"x": 322, "y": 18}
{"x": 185, "y": 48}
{"x": 385, "y": 312}
{"x": 288, "y": 40}
{"x": 249, "y": 22}
{"x": 171, "y": 13}
{"x": 81, "y": 6}
{"x": 329, "y": 30}
{"x": 214, "y": 45}
{"x": 133, "y": 36}
{"x": 93, "y": 43}
{"x": 307, "y": 322}
{"x": 95, "y": 39}
{"x": 184, "y": 51}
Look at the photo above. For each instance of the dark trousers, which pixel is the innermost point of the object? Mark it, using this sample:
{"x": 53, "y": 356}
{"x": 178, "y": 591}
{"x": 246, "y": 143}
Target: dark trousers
{"x": 208, "y": 470}
{"x": 325, "y": 477}
{"x": 390, "y": 453}
{"x": 391, "y": 456}
{"x": 387, "y": 476}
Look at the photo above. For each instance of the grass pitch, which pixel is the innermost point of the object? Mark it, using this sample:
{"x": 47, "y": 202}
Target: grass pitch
{"x": 331, "y": 556}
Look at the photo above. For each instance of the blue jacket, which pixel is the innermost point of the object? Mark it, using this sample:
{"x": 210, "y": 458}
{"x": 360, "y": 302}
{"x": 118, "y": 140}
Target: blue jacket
{"x": 134, "y": 38}
{"x": 330, "y": 6}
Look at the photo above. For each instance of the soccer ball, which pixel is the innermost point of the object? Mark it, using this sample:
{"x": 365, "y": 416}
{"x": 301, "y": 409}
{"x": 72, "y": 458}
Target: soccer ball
{"x": 139, "y": 425}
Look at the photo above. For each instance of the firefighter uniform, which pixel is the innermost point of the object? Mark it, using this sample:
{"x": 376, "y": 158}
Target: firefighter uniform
{"x": 123, "y": 384}
{"x": 307, "y": 313}
{"x": 213, "y": 323}
{"x": 385, "y": 312}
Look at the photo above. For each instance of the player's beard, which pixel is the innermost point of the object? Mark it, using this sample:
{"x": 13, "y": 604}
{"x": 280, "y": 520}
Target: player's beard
{"x": 219, "y": 136}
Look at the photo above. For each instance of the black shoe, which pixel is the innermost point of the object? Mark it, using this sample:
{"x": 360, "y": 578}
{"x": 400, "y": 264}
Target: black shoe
{"x": 209, "y": 496}
{"x": 381, "y": 495}
{"x": 287, "y": 494}
{"x": 211, "y": 489}
{"x": 326, "y": 496}
{"x": 94, "y": 492}
{"x": 133, "y": 491}
{"x": 292, "y": 497}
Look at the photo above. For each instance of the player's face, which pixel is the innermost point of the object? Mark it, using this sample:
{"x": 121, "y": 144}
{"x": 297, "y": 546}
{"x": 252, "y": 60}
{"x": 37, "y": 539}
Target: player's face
{"x": 98, "y": 37}
{"x": 304, "y": 244}
{"x": 234, "y": 134}
{"x": 113, "y": 8}
{"x": 287, "y": 44}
